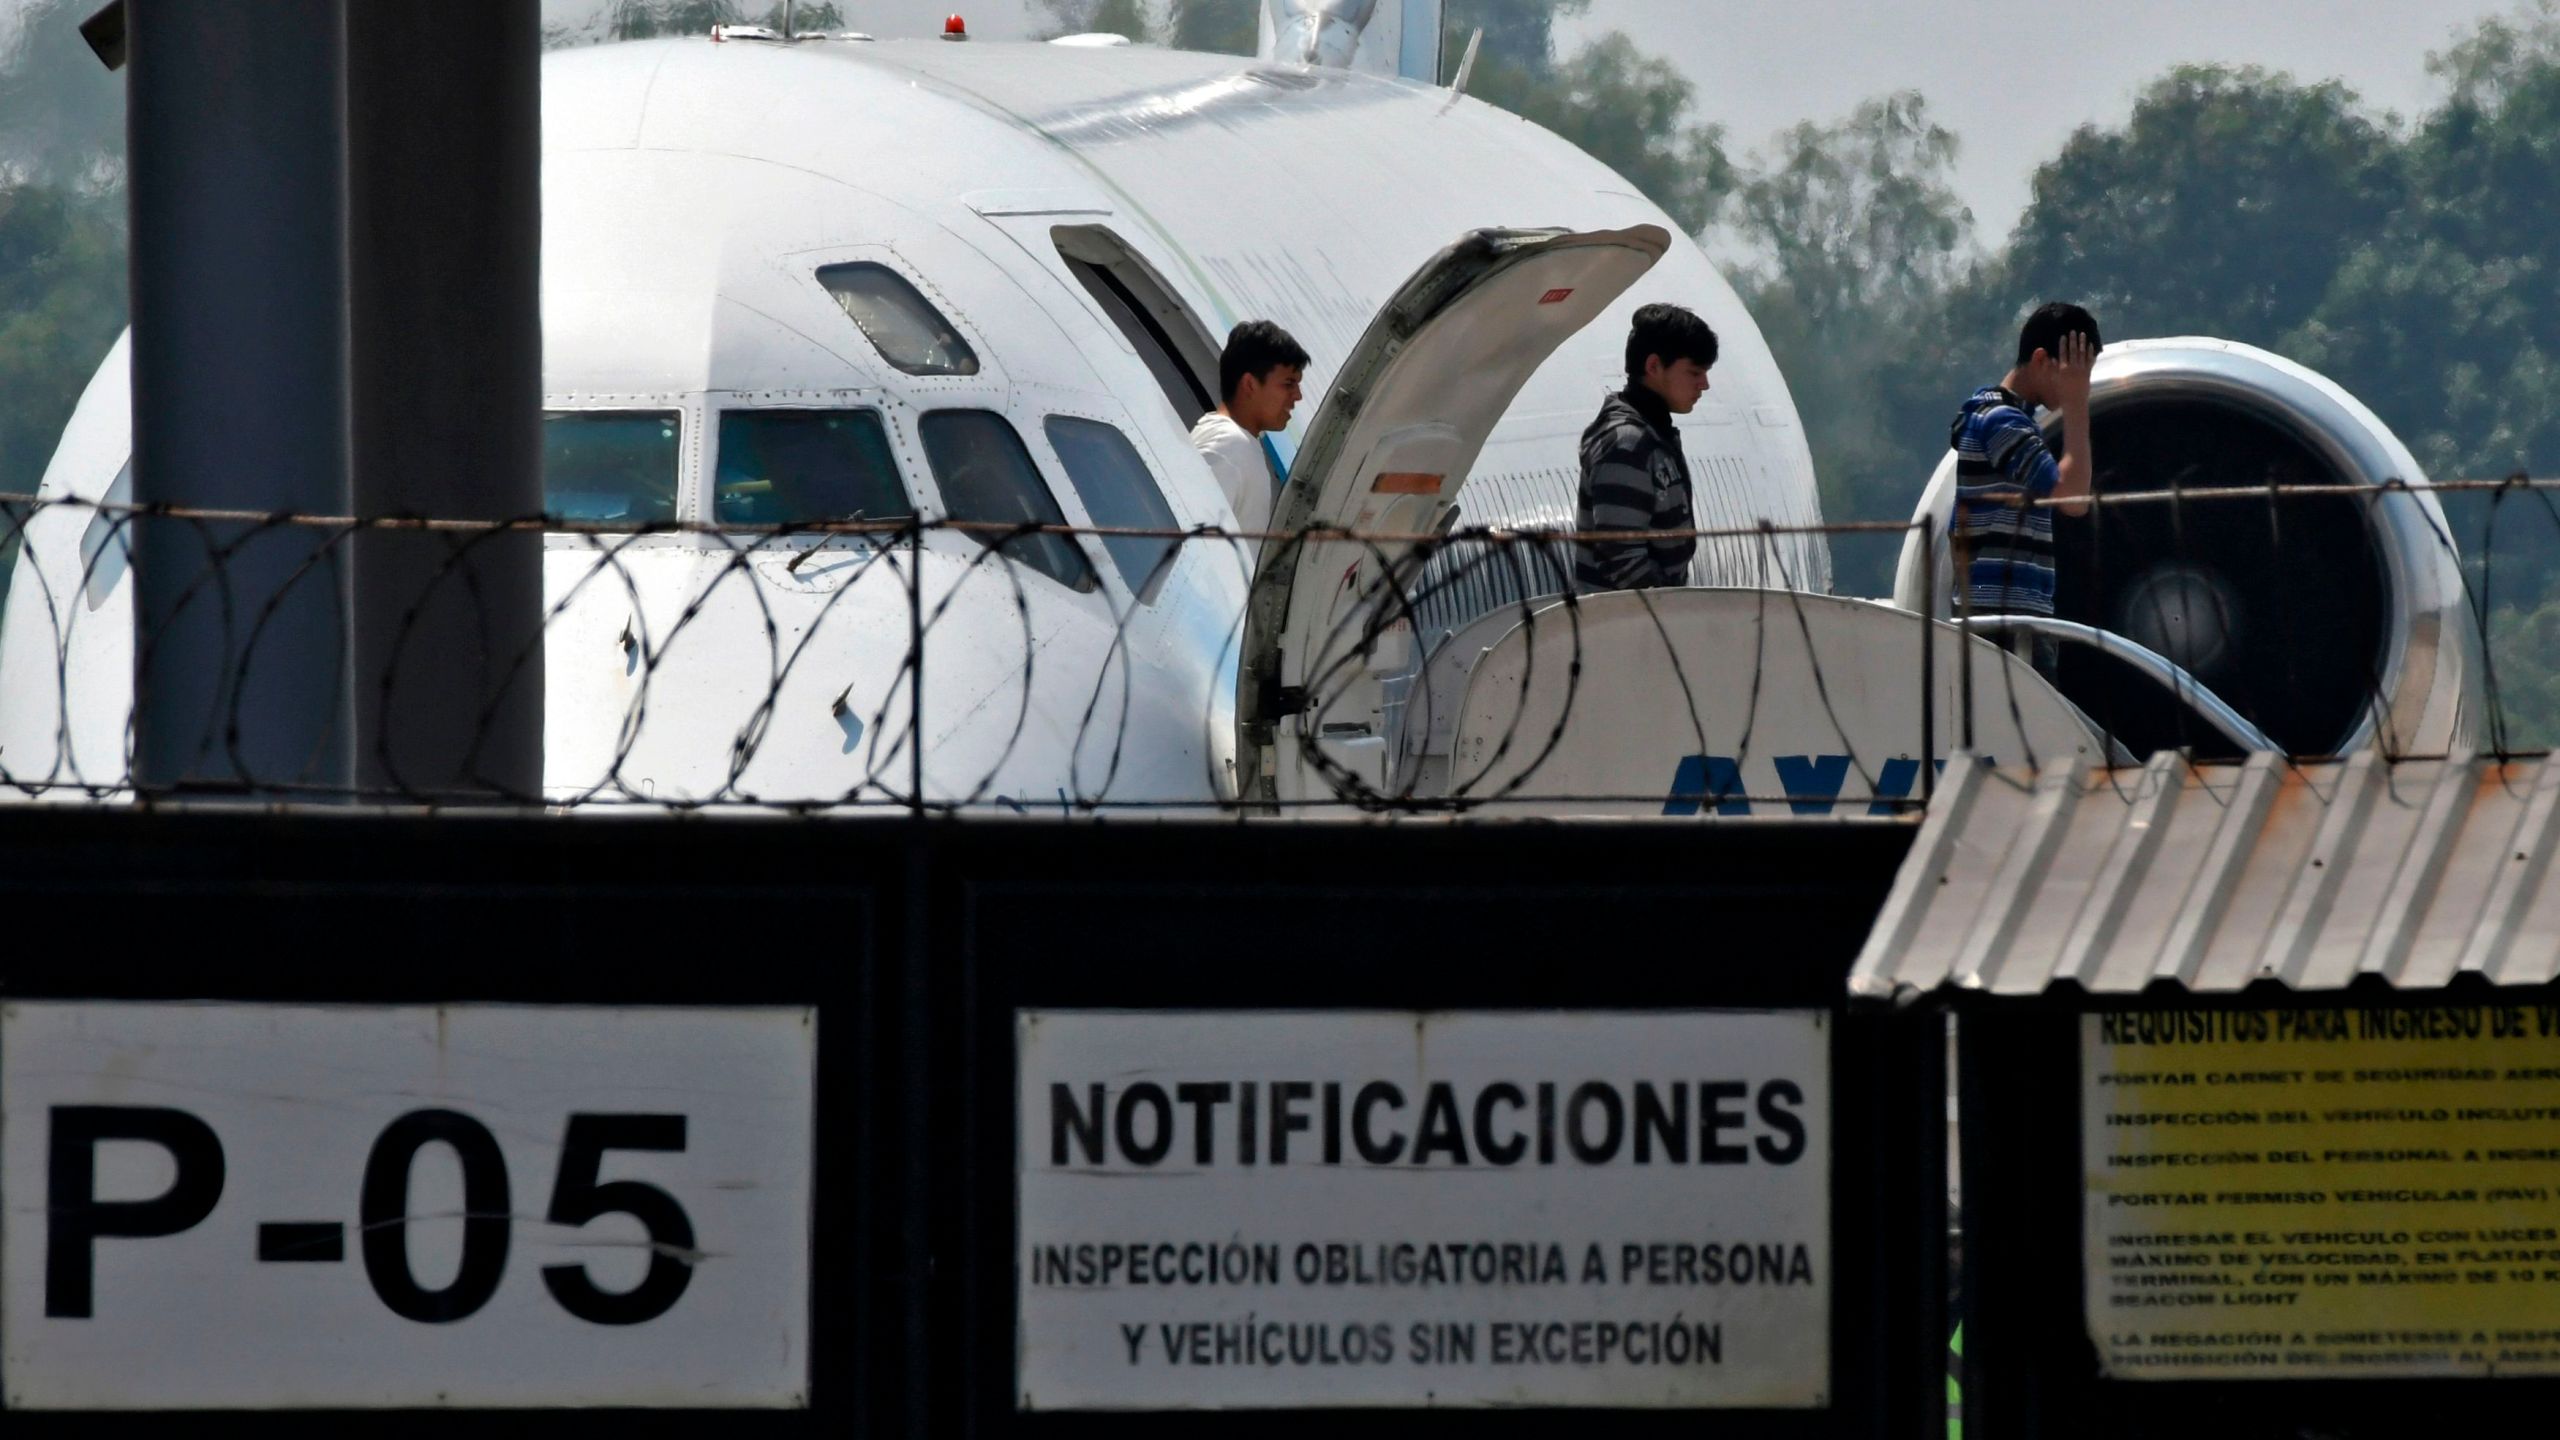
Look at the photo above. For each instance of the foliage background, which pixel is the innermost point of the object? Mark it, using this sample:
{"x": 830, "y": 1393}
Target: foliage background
{"x": 2412, "y": 259}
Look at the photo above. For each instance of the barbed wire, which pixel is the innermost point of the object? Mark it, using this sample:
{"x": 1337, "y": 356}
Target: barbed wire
{"x": 996, "y": 667}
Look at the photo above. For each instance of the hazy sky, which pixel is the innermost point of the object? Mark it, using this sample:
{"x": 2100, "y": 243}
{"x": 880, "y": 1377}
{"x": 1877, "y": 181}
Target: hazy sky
{"x": 1762, "y": 66}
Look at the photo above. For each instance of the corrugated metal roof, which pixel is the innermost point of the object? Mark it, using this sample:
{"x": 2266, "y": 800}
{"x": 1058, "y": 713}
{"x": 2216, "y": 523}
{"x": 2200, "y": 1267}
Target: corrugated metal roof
{"x": 2214, "y": 877}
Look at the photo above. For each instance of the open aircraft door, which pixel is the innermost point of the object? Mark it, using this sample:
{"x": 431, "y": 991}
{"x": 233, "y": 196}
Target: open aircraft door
{"x": 1330, "y": 619}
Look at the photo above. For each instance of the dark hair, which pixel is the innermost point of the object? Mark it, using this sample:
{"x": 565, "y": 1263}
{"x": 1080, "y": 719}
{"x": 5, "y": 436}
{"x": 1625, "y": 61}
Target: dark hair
{"x": 1255, "y": 348}
{"x": 1670, "y": 332}
{"x": 2053, "y": 320}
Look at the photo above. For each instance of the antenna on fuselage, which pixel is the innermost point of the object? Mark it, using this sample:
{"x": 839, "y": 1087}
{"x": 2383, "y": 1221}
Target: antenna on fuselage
{"x": 786, "y": 21}
{"x": 1466, "y": 65}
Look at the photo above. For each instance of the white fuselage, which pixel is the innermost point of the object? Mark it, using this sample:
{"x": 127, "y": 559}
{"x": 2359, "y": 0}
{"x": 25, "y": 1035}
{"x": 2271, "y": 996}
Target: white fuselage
{"x": 693, "y": 190}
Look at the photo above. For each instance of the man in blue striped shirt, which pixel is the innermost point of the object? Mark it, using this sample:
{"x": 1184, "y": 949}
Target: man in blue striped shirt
{"x": 2003, "y": 541}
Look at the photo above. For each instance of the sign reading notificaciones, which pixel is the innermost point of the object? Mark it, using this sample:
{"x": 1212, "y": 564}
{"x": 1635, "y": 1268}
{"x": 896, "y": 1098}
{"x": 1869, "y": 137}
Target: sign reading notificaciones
{"x": 1386, "y": 1209}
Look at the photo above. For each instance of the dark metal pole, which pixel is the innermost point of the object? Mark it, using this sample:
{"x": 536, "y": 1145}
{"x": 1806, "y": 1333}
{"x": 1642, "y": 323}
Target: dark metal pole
{"x": 915, "y": 666}
{"x": 444, "y": 129}
{"x": 1929, "y": 658}
{"x": 235, "y": 178}
{"x": 1961, "y": 564}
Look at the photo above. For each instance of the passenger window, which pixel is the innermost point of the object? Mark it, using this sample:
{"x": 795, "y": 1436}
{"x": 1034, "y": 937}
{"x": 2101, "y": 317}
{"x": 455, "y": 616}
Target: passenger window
{"x": 987, "y": 475}
{"x": 1117, "y": 490}
{"x": 609, "y": 467}
{"x": 783, "y": 467}
{"x": 900, "y": 323}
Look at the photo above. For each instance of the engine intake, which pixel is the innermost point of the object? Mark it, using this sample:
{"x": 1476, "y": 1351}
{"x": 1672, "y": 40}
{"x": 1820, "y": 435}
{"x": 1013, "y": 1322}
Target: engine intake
{"x": 2331, "y": 621}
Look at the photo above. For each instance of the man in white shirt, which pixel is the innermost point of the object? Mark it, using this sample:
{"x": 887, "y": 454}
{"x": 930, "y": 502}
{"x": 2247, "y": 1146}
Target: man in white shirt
{"x": 1259, "y": 374}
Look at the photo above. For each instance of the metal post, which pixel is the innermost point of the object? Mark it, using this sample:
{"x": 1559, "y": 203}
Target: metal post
{"x": 1900, "y": 1068}
{"x": 1962, "y": 565}
{"x": 1929, "y": 658}
{"x": 915, "y": 665}
{"x": 235, "y": 178}
{"x": 444, "y": 230}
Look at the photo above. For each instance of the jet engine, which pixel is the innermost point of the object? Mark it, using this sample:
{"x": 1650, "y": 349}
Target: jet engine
{"x": 2331, "y": 620}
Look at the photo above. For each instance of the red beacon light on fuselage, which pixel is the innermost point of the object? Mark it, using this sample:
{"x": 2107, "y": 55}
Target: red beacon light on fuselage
{"x": 955, "y": 28}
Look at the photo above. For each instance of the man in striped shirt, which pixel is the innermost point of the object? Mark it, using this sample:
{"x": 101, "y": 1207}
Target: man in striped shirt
{"x": 2003, "y": 540}
{"x": 1634, "y": 475}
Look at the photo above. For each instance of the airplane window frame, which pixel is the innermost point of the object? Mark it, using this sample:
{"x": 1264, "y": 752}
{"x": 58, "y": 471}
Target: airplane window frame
{"x": 901, "y": 299}
{"x": 1143, "y": 561}
{"x": 675, "y": 454}
{"x": 882, "y": 437}
{"x": 1149, "y": 313}
{"x": 1042, "y": 554}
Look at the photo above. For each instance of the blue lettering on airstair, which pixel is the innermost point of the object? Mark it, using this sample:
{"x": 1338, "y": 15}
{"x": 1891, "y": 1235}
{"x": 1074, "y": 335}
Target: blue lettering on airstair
{"x": 1811, "y": 784}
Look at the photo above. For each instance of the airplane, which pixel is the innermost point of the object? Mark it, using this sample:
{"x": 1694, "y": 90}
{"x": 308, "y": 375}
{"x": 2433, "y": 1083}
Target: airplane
{"x": 792, "y": 279}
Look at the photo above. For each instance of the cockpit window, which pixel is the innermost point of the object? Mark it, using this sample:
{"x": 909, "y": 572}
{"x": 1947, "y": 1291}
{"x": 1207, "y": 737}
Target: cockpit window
{"x": 986, "y": 474}
{"x": 900, "y": 323}
{"x": 1118, "y": 491}
{"x": 610, "y": 467}
{"x": 785, "y": 467}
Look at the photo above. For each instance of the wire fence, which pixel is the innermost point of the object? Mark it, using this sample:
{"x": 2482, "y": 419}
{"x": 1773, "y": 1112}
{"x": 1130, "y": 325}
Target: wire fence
{"x": 949, "y": 665}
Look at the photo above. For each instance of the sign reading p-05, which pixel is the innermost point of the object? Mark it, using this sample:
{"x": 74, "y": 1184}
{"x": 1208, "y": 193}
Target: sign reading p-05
{"x": 194, "y": 1167}
{"x": 76, "y": 1219}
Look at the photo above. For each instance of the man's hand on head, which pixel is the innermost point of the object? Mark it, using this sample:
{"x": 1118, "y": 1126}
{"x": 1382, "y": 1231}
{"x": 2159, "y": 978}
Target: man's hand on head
{"x": 2071, "y": 372}
{"x": 2075, "y": 470}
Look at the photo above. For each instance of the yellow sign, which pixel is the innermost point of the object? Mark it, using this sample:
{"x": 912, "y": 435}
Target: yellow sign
{"x": 2317, "y": 1194}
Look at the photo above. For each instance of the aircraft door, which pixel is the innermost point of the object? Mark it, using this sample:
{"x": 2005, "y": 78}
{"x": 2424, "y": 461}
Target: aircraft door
{"x": 1142, "y": 305}
{"x": 1130, "y": 324}
{"x": 1329, "y": 619}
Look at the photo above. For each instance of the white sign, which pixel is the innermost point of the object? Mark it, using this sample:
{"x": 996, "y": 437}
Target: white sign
{"x": 1379, "y": 1209}
{"x": 244, "y": 1205}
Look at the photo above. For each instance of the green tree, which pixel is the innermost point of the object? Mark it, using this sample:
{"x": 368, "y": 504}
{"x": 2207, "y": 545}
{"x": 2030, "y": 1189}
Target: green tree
{"x": 62, "y": 243}
{"x": 1518, "y": 34}
{"x": 2523, "y": 644}
{"x": 1229, "y": 27}
{"x": 1858, "y": 218}
{"x": 1633, "y": 112}
{"x": 2223, "y": 207}
{"x": 61, "y": 112}
{"x": 809, "y": 16}
{"x": 1864, "y": 254}
{"x": 1133, "y": 18}
{"x": 62, "y": 302}
{"x": 2445, "y": 325}
{"x": 2499, "y": 54}
{"x": 2445, "y": 322}
{"x": 649, "y": 19}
